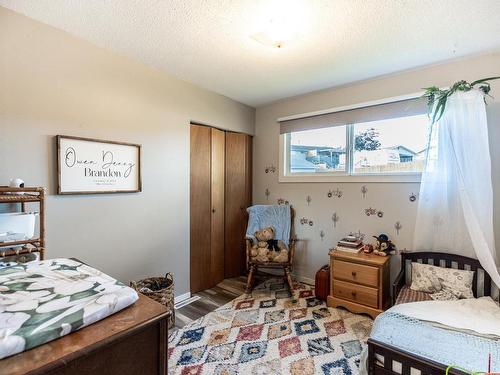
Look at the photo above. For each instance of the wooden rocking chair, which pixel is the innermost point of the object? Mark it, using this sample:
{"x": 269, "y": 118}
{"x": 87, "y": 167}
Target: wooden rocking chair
{"x": 253, "y": 266}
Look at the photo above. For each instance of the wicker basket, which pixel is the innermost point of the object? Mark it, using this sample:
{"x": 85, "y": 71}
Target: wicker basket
{"x": 161, "y": 289}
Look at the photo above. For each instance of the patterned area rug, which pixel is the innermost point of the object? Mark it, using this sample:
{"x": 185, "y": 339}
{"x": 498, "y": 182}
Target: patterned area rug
{"x": 271, "y": 333}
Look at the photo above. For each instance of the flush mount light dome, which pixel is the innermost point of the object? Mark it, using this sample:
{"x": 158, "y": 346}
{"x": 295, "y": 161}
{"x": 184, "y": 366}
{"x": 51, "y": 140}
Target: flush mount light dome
{"x": 267, "y": 40}
{"x": 279, "y": 22}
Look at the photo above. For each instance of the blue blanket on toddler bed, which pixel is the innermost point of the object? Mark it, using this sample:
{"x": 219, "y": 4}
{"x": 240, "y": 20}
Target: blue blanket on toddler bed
{"x": 276, "y": 216}
{"x": 438, "y": 344}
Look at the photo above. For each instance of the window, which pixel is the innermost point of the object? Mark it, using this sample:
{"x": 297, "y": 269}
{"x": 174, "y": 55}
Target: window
{"x": 390, "y": 146}
{"x": 384, "y": 142}
{"x": 318, "y": 150}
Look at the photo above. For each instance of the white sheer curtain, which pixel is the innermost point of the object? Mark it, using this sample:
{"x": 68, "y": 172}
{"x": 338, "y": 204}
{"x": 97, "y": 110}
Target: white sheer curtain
{"x": 455, "y": 210}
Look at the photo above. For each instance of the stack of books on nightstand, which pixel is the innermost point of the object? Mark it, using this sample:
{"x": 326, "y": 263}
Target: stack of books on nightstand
{"x": 350, "y": 244}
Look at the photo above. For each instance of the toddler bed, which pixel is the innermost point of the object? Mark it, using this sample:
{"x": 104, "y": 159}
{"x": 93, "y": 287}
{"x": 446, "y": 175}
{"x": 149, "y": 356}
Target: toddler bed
{"x": 426, "y": 337}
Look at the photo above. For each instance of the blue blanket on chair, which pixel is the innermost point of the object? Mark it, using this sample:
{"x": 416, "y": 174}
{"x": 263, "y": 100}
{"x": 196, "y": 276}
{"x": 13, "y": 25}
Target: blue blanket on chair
{"x": 277, "y": 216}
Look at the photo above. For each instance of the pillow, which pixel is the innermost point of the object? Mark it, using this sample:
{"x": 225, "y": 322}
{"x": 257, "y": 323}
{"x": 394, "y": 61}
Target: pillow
{"x": 457, "y": 282}
{"x": 424, "y": 278}
{"x": 450, "y": 281}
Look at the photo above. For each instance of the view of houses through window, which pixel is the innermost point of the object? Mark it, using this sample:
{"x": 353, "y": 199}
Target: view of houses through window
{"x": 379, "y": 147}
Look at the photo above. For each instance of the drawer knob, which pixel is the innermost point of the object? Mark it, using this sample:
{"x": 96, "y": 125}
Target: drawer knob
{"x": 353, "y": 273}
{"x": 353, "y": 294}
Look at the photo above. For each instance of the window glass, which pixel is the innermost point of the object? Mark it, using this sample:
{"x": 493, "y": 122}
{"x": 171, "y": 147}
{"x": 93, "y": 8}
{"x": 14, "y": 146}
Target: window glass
{"x": 390, "y": 146}
{"x": 318, "y": 150}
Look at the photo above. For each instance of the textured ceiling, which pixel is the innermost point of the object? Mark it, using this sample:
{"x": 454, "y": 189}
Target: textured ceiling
{"x": 336, "y": 41}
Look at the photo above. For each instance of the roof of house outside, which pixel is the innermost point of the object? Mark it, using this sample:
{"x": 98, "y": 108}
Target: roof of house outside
{"x": 402, "y": 150}
{"x": 303, "y": 148}
{"x": 298, "y": 161}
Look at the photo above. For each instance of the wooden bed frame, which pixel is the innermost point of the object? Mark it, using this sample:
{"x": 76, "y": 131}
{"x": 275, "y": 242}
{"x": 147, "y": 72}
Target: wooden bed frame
{"x": 381, "y": 356}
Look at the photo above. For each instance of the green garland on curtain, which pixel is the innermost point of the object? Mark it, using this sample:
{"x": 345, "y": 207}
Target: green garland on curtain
{"x": 436, "y": 98}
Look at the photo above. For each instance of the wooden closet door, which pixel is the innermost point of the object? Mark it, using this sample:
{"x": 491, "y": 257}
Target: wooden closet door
{"x": 217, "y": 198}
{"x": 238, "y": 198}
{"x": 200, "y": 208}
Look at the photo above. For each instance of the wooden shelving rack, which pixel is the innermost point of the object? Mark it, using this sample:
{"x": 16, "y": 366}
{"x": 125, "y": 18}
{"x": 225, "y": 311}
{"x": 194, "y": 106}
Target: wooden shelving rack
{"x": 30, "y": 195}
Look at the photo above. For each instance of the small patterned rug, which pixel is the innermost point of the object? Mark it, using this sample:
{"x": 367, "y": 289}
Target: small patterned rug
{"x": 269, "y": 332}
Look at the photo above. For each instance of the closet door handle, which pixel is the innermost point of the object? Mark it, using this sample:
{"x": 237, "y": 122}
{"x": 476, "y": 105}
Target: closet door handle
{"x": 213, "y": 210}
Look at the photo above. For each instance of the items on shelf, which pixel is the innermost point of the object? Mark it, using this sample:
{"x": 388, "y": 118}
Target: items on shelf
{"x": 350, "y": 244}
{"x": 17, "y": 229}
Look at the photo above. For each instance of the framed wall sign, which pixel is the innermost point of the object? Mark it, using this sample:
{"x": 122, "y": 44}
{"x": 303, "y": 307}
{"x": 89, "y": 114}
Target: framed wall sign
{"x": 94, "y": 166}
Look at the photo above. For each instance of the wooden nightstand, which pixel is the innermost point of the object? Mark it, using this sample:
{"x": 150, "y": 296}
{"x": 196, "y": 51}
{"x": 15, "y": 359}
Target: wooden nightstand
{"x": 359, "y": 282}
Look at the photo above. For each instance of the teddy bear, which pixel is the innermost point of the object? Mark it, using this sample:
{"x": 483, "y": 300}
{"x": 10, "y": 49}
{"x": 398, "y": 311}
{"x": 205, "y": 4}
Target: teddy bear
{"x": 267, "y": 249}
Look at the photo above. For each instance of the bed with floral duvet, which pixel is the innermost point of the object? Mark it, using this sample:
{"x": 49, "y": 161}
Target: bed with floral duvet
{"x": 43, "y": 300}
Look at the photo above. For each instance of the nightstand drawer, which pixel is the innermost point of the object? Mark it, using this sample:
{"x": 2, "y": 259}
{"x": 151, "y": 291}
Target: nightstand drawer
{"x": 356, "y": 293}
{"x": 356, "y": 273}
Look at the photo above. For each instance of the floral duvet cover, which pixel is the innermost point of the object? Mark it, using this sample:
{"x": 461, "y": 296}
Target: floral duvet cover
{"x": 43, "y": 300}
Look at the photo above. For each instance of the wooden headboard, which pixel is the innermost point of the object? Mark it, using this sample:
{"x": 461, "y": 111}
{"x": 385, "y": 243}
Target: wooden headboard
{"x": 481, "y": 285}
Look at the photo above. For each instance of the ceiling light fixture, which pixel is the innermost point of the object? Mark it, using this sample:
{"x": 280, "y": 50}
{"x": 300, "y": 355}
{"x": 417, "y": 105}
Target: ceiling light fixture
{"x": 283, "y": 25}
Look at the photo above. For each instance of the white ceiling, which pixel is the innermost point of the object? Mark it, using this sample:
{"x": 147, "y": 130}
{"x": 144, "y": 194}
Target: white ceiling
{"x": 337, "y": 42}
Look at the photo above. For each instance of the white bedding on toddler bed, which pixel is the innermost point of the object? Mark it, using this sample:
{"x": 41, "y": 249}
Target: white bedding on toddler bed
{"x": 477, "y": 316}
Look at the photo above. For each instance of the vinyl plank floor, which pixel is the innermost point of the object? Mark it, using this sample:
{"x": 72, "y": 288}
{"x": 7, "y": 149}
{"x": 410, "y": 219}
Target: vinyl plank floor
{"x": 210, "y": 300}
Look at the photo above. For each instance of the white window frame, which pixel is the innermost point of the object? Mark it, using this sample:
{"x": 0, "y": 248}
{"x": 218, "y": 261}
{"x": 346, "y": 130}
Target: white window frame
{"x": 341, "y": 176}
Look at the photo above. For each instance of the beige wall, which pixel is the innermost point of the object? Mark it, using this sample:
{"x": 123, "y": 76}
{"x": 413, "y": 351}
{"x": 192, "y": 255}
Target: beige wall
{"x": 392, "y": 198}
{"x": 52, "y": 83}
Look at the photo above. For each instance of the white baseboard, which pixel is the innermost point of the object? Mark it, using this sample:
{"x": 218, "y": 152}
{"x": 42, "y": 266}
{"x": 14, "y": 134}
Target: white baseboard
{"x": 182, "y": 298}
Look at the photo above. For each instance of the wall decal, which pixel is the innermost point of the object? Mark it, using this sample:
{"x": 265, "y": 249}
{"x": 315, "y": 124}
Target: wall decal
{"x": 370, "y": 211}
{"x": 364, "y": 190}
{"x": 305, "y": 221}
{"x": 335, "y": 218}
{"x": 308, "y": 200}
{"x": 398, "y": 227}
{"x": 267, "y": 193}
{"x": 322, "y": 234}
{"x": 282, "y": 201}
{"x": 334, "y": 193}
{"x": 413, "y": 197}
{"x": 93, "y": 166}
{"x": 373, "y": 211}
{"x": 271, "y": 169}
